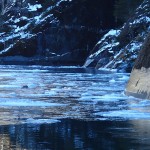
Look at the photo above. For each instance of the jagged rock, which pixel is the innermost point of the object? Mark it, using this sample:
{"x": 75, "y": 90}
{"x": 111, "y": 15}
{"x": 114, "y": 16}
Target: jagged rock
{"x": 119, "y": 48}
{"x": 25, "y": 87}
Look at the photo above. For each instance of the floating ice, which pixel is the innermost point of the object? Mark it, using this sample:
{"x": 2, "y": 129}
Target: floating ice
{"x": 112, "y": 80}
{"x": 41, "y": 121}
{"x": 28, "y": 103}
{"x": 66, "y": 92}
{"x": 124, "y": 114}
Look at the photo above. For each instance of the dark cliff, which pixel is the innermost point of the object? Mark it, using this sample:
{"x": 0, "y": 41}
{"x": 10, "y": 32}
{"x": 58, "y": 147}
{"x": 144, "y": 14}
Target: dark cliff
{"x": 61, "y": 32}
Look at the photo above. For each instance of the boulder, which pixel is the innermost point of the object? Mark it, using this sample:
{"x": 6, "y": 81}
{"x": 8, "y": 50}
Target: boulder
{"x": 139, "y": 85}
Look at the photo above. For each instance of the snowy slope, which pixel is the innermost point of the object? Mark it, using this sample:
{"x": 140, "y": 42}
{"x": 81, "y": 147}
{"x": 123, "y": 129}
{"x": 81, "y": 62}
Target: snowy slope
{"x": 119, "y": 48}
{"x": 54, "y": 30}
{"x": 20, "y": 27}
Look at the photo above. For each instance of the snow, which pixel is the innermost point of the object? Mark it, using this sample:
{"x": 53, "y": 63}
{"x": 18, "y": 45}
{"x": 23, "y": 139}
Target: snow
{"x": 105, "y": 47}
{"x": 15, "y": 35}
{"x": 19, "y": 19}
{"x": 135, "y": 46}
{"x": 140, "y": 20}
{"x": 7, "y": 49}
{"x": 2, "y": 33}
{"x": 110, "y": 33}
{"x": 60, "y": 1}
{"x": 113, "y": 33}
{"x": 34, "y": 7}
{"x": 18, "y": 29}
{"x": 37, "y": 18}
{"x": 22, "y": 35}
{"x": 108, "y": 69}
{"x": 40, "y": 19}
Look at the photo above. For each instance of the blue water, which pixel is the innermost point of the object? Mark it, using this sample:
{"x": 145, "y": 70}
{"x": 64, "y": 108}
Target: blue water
{"x": 69, "y": 108}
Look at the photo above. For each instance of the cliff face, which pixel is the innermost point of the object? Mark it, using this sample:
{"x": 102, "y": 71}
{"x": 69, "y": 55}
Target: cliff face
{"x": 138, "y": 84}
{"x": 143, "y": 59}
{"x": 63, "y": 31}
{"x": 119, "y": 48}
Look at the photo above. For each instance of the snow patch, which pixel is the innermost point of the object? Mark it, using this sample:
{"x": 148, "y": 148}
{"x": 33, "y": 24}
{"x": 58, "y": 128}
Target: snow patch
{"x": 34, "y": 7}
{"x": 110, "y": 33}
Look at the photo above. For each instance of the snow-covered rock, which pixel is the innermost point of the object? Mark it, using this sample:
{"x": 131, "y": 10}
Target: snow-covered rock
{"x": 23, "y": 25}
{"x": 119, "y": 48}
{"x": 39, "y": 29}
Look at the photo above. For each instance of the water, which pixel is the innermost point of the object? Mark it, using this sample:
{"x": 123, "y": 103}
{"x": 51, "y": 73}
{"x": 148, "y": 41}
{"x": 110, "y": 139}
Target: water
{"x": 60, "y": 108}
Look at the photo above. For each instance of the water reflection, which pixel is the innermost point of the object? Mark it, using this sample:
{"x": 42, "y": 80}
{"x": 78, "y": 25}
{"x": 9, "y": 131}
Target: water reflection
{"x": 73, "y": 134}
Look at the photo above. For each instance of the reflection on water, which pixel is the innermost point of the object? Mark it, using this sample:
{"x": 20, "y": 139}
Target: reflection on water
{"x": 70, "y": 108}
{"x": 75, "y": 134}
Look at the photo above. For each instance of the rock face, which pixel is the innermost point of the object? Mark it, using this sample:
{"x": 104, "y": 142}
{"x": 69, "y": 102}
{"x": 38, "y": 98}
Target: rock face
{"x": 62, "y": 32}
{"x": 119, "y": 48}
{"x": 139, "y": 85}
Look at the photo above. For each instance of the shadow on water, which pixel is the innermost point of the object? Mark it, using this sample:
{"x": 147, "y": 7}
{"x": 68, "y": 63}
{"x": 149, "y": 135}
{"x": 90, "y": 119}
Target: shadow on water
{"x": 73, "y": 134}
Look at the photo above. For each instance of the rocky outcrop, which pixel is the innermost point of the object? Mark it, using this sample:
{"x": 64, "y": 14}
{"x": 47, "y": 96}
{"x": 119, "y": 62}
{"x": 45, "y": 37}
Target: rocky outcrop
{"x": 119, "y": 48}
{"x": 62, "y": 31}
{"x": 139, "y": 85}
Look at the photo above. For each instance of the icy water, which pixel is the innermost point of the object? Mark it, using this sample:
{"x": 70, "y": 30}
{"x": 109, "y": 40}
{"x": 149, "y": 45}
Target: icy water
{"x": 60, "y": 108}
